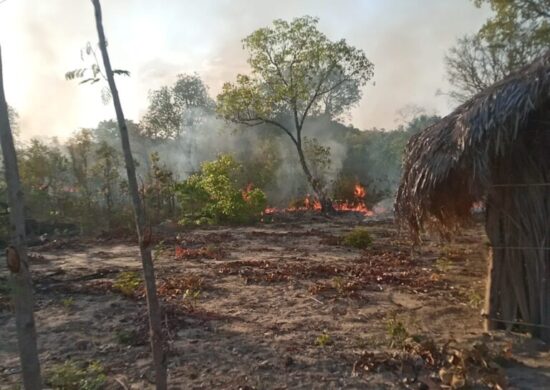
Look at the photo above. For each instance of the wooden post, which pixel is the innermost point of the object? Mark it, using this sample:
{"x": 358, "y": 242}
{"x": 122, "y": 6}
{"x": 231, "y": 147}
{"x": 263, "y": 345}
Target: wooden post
{"x": 16, "y": 254}
{"x": 153, "y": 306}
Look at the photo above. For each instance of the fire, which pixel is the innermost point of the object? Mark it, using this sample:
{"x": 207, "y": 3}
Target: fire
{"x": 358, "y": 204}
{"x": 359, "y": 191}
{"x": 245, "y": 193}
{"x": 311, "y": 203}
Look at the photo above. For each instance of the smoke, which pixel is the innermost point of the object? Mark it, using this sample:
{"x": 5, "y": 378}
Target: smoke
{"x": 405, "y": 39}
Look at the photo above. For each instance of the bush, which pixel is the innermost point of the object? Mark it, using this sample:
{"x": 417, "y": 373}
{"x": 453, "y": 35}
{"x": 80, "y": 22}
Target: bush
{"x": 69, "y": 376}
{"x": 214, "y": 195}
{"x": 127, "y": 282}
{"x": 127, "y": 337}
{"x": 357, "y": 238}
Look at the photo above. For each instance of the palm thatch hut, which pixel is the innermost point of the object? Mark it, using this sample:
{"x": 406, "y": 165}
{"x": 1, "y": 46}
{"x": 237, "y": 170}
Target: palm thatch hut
{"x": 495, "y": 148}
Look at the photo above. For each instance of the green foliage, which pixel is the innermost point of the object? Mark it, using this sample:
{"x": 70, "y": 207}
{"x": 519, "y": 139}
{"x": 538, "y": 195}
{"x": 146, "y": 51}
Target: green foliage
{"x": 127, "y": 337}
{"x": 358, "y": 238}
{"x": 45, "y": 175}
{"x": 128, "y": 282}
{"x": 186, "y": 103}
{"x": 396, "y": 331}
{"x": 296, "y": 73}
{"x": 295, "y": 68}
{"x": 70, "y": 376}
{"x": 318, "y": 157}
{"x": 68, "y": 303}
{"x": 443, "y": 264}
{"x": 475, "y": 299}
{"x": 323, "y": 339}
{"x": 191, "y": 297}
{"x": 216, "y": 195}
{"x": 516, "y": 34}
{"x": 160, "y": 190}
{"x": 92, "y": 72}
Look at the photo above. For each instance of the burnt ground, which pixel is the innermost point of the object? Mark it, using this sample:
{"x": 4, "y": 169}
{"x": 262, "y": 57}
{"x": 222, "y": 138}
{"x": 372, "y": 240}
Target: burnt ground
{"x": 277, "y": 306}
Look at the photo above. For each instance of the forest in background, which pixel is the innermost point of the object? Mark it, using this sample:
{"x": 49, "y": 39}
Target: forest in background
{"x": 69, "y": 184}
{"x": 78, "y": 186}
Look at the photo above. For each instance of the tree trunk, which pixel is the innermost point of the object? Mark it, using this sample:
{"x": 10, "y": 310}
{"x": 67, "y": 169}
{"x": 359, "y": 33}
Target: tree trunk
{"x": 143, "y": 233}
{"x": 324, "y": 199}
{"x": 16, "y": 254}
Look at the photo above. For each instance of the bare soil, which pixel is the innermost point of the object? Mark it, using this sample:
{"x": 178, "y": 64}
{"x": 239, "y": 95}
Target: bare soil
{"x": 278, "y": 306}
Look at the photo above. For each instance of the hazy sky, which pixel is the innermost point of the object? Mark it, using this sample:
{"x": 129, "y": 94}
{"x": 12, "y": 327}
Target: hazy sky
{"x": 157, "y": 39}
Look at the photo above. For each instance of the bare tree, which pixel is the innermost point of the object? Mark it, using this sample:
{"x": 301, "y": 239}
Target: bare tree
{"x": 16, "y": 255}
{"x": 144, "y": 234}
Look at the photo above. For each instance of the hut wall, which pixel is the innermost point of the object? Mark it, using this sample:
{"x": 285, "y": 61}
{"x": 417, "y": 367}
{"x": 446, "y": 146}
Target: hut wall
{"x": 518, "y": 227}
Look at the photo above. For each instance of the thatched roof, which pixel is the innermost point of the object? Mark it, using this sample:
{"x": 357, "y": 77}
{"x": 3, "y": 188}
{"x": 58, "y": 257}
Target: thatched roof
{"x": 448, "y": 166}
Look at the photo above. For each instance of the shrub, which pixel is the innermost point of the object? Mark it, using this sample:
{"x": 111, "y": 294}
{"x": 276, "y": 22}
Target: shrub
{"x": 69, "y": 376}
{"x": 127, "y": 337}
{"x": 68, "y": 303}
{"x": 215, "y": 195}
{"x": 323, "y": 339}
{"x": 397, "y": 333}
{"x": 127, "y": 282}
{"x": 357, "y": 238}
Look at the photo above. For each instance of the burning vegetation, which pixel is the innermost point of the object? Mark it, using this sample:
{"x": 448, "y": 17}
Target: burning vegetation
{"x": 266, "y": 233}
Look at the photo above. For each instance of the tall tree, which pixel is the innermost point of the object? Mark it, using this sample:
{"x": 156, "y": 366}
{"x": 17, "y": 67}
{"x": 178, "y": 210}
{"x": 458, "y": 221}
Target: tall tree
{"x": 186, "y": 103}
{"x": 16, "y": 254}
{"x": 80, "y": 148}
{"x": 296, "y": 72}
{"x": 106, "y": 168}
{"x": 141, "y": 224}
{"x": 517, "y": 33}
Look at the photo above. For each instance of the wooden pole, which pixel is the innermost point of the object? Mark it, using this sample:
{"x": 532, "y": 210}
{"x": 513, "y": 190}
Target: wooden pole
{"x": 16, "y": 255}
{"x": 153, "y": 306}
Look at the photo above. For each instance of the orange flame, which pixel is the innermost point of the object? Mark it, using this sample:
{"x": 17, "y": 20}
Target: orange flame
{"x": 246, "y": 192}
{"x": 359, "y": 191}
{"x": 310, "y": 203}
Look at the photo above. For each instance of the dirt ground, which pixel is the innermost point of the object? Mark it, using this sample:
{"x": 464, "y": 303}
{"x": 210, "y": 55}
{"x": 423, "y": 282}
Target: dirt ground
{"x": 281, "y": 305}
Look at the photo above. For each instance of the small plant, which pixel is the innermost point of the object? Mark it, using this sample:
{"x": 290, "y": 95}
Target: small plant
{"x": 358, "y": 238}
{"x": 397, "y": 333}
{"x": 127, "y": 282}
{"x": 443, "y": 264}
{"x": 191, "y": 297}
{"x": 127, "y": 337}
{"x": 338, "y": 283}
{"x": 475, "y": 299}
{"x": 69, "y": 376}
{"x": 68, "y": 303}
{"x": 323, "y": 339}
{"x": 160, "y": 249}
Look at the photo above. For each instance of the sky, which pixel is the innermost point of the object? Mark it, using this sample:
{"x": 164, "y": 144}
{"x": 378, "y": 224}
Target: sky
{"x": 157, "y": 40}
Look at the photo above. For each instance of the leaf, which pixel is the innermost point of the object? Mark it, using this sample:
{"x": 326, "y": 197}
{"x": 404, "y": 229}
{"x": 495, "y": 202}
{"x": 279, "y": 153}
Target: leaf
{"x": 75, "y": 74}
{"x": 95, "y": 69}
{"x": 90, "y": 80}
{"x": 121, "y": 72}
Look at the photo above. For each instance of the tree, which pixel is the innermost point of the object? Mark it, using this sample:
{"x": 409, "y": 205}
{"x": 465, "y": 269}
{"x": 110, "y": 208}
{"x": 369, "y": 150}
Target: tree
{"x": 44, "y": 174}
{"x": 518, "y": 33}
{"x": 80, "y": 148}
{"x": 170, "y": 108}
{"x": 296, "y": 72}
{"x": 106, "y": 169}
{"x": 16, "y": 254}
{"x": 160, "y": 190}
{"x": 144, "y": 237}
